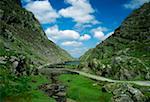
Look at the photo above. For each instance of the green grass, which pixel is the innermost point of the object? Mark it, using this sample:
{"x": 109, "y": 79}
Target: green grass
{"x": 82, "y": 89}
{"x": 39, "y": 80}
{"x": 30, "y": 95}
{"x": 39, "y": 96}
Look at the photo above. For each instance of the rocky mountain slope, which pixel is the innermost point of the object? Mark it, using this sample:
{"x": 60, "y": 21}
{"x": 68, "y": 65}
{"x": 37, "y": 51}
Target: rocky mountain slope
{"x": 20, "y": 32}
{"x": 125, "y": 54}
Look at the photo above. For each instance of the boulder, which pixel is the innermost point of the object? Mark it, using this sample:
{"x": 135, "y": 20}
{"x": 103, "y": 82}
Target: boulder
{"x": 147, "y": 76}
{"x": 14, "y": 66}
{"x": 123, "y": 92}
{"x": 122, "y": 98}
{"x": 13, "y": 58}
{"x": 57, "y": 91}
{"x": 136, "y": 94}
{"x": 2, "y": 60}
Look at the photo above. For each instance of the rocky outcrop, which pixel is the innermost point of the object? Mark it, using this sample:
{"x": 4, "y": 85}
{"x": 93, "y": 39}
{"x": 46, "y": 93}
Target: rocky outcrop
{"x": 57, "y": 91}
{"x": 124, "y": 93}
{"x": 124, "y": 55}
{"x": 20, "y": 32}
{"x": 18, "y": 65}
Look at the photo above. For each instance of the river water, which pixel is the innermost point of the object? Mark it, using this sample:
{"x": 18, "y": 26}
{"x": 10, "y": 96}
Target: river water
{"x": 72, "y": 63}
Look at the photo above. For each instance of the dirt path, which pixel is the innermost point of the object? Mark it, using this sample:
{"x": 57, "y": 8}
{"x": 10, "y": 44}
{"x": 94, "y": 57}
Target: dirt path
{"x": 141, "y": 83}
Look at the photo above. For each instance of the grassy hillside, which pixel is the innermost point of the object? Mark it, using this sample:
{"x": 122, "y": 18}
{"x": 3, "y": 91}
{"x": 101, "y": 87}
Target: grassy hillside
{"x": 23, "y": 47}
{"x": 125, "y": 54}
{"x": 21, "y": 32}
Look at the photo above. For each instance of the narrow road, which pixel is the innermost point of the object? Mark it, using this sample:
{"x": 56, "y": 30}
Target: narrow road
{"x": 95, "y": 77}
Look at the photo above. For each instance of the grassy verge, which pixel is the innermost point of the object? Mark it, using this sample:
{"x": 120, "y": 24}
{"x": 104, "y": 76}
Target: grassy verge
{"x": 22, "y": 89}
{"x": 39, "y": 96}
{"x": 83, "y": 89}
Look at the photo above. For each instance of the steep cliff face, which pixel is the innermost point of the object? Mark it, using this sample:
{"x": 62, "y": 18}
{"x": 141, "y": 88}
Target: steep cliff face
{"x": 125, "y": 54}
{"x": 21, "y": 32}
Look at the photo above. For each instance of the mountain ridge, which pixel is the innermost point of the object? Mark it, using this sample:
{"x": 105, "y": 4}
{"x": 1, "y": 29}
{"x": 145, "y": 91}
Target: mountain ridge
{"x": 21, "y": 32}
{"x": 125, "y": 54}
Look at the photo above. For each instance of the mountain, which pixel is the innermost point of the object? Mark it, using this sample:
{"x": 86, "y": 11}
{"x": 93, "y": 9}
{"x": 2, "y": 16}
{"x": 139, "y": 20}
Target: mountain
{"x": 21, "y": 32}
{"x": 126, "y": 54}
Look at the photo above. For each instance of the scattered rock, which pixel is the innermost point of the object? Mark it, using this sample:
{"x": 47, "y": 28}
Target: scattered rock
{"x": 147, "y": 76}
{"x": 125, "y": 51}
{"x": 56, "y": 91}
{"x": 122, "y": 98}
{"x": 34, "y": 81}
{"x": 124, "y": 93}
{"x": 2, "y": 60}
{"x": 14, "y": 66}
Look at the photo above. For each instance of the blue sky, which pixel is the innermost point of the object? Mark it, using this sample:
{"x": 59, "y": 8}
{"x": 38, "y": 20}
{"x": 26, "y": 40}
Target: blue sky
{"x": 78, "y": 25}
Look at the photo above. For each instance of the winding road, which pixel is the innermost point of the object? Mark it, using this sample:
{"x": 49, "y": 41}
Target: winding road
{"x": 91, "y": 76}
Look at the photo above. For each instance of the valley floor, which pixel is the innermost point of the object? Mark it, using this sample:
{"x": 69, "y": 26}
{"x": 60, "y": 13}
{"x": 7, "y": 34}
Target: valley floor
{"x": 82, "y": 89}
{"x": 85, "y": 87}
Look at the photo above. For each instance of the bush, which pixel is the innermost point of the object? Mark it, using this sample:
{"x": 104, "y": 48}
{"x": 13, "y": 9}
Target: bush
{"x": 11, "y": 85}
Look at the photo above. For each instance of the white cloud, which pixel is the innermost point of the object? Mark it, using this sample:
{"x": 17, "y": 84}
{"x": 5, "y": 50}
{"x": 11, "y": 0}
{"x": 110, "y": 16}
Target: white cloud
{"x": 80, "y": 10}
{"x": 133, "y": 4}
{"x": 70, "y": 34}
{"x": 42, "y": 10}
{"x": 102, "y": 29}
{"x": 56, "y": 34}
{"x": 99, "y": 33}
{"x": 78, "y": 51}
{"x": 72, "y": 43}
{"x": 85, "y": 37}
{"x": 81, "y": 27}
{"x": 107, "y": 35}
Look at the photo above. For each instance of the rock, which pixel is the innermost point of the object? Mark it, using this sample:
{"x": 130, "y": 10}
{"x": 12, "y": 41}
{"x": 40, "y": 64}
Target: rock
{"x": 104, "y": 89}
{"x": 56, "y": 91}
{"x": 61, "y": 94}
{"x": 136, "y": 94}
{"x": 124, "y": 93}
{"x": 35, "y": 71}
{"x": 9, "y": 36}
{"x": 125, "y": 74}
{"x": 13, "y": 58}
{"x": 14, "y": 66}
{"x": 95, "y": 84}
{"x": 21, "y": 32}
{"x": 34, "y": 81}
{"x": 121, "y": 98}
{"x": 126, "y": 50}
{"x": 147, "y": 76}
{"x": 3, "y": 60}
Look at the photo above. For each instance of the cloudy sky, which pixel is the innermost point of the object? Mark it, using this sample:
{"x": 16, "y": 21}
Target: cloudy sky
{"x": 78, "y": 25}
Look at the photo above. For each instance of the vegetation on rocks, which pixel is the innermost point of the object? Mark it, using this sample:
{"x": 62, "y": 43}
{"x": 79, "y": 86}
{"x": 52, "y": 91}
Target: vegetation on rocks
{"x": 19, "y": 80}
{"x": 23, "y": 47}
{"x": 124, "y": 55}
{"x": 123, "y": 92}
{"x": 21, "y": 32}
